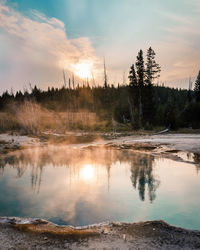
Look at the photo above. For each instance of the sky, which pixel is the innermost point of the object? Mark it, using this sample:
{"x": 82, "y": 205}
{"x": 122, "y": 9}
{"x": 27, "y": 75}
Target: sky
{"x": 41, "y": 38}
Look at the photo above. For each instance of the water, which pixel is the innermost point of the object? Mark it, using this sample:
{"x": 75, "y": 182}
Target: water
{"x": 73, "y": 186}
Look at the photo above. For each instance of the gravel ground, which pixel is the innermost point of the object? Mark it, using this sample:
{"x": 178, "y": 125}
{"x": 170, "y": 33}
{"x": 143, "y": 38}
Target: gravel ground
{"x": 143, "y": 235}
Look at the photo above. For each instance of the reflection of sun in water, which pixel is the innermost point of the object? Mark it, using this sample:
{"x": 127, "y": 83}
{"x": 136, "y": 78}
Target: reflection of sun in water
{"x": 87, "y": 172}
{"x": 83, "y": 69}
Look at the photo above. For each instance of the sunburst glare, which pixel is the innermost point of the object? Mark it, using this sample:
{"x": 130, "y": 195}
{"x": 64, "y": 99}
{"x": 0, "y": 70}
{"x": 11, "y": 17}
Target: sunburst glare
{"x": 87, "y": 172}
{"x": 83, "y": 69}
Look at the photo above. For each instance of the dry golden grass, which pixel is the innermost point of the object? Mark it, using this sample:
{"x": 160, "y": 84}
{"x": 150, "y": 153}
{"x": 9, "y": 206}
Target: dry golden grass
{"x": 30, "y": 117}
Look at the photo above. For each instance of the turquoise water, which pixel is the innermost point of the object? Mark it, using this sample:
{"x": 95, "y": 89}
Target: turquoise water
{"x": 85, "y": 186}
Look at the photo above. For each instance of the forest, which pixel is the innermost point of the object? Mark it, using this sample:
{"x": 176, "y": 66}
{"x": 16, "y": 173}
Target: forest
{"x": 139, "y": 104}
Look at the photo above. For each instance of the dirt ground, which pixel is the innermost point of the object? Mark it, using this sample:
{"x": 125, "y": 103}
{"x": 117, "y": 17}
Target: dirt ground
{"x": 40, "y": 234}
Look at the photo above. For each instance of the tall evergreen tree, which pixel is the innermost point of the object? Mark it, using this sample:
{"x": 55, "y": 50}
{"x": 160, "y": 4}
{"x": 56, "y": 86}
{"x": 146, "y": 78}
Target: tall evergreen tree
{"x": 197, "y": 88}
{"x": 152, "y": 72}
{"x": 140, "y": 76}
{"x": 133, "y": 98}
{"x": 140, "y": 68}
{"x": 153, "y": 69}
{"x": 133, "y": 87}
{"x": 132, "y": 77}
{"x": 189, "y": 94}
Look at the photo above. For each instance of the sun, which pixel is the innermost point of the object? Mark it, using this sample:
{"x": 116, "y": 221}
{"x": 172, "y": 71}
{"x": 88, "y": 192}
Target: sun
{"x": 83, "y": 69}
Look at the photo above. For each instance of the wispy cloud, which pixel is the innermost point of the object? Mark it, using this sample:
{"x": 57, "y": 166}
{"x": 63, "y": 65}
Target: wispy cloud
{"x": 196, "y": 4}
{"x": 179, "y": 47}
{"x": 175, "y": 17}
{"x": 36, "y": 49}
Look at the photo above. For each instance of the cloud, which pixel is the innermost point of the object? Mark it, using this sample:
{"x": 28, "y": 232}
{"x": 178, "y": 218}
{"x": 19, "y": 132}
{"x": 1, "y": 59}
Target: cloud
{"x": 35, "y": 49}
{"x": 179, "y": 47}
{"x": 175, "y": 17}
{"x": 196, "y": 4}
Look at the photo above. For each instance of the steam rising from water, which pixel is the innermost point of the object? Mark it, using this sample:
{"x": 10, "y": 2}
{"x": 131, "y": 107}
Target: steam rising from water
{"x": 81, "y": 186}
{"x": 85, "y": 164}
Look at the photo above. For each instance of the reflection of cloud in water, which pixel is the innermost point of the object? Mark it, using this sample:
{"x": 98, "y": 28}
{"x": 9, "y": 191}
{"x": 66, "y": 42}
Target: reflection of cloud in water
{"x": 84, "y": 165}
{"x": 83, "y": 186}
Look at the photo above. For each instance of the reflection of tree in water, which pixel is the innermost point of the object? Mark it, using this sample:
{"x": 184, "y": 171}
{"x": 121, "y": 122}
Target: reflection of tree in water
{"x": 36, "y": 159}
{"x": 196, "y": 158}
{"x": 36, "y": 178}
{"x": 142, "y": 176}
{"x": 1, "y": 170}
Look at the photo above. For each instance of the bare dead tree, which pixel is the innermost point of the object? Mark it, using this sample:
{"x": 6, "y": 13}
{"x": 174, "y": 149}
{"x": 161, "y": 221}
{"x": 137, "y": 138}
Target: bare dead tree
{"x": 105, "y": 76}
{"x": 73, "y": 81}
{"x": 93, "y": 81}
{"x": 64, "y": 79}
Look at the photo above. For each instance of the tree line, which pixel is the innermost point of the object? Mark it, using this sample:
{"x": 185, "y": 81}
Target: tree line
{"x": 141, "y": 103}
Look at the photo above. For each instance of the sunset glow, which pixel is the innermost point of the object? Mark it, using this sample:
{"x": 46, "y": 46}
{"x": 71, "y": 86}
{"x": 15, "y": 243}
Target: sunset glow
{"x": 83, "y": 69}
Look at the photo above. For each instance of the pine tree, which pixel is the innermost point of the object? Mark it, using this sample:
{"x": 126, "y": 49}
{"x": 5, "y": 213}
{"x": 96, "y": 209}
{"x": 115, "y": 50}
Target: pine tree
{"x": 152, "y": 72}
{"x": 132, "y": 77}
{"x": 197, "y": 88}
{"x": 133, "y": 87}
{"x": 133, "y": 99}
{"x": 140, "y": 76}
{"x": 153, "y": 69}
{"x": 140, "y": 68}
{"x": 189, "y": 94}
